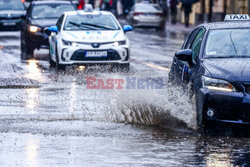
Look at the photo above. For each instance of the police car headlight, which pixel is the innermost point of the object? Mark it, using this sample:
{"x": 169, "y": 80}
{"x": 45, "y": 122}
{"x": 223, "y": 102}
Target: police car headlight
{"x": 217, "y": 84}
{"x": 34, "y": 29}
{"x": 118, "y": 43}
{"x": 68, "y": 43}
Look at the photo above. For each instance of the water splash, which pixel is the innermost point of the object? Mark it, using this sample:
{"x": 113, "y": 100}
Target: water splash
{"x": 167, "y": 107}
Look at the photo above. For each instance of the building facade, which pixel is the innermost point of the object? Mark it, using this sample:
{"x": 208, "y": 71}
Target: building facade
{"x": 202, "y": 10}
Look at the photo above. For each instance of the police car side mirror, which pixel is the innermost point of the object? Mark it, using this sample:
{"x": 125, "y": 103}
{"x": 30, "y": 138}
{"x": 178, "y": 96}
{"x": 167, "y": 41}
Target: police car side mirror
{"x": 127, "y": 28}
{"x": 53, "y": 29}
{"x": 185, "y": 55}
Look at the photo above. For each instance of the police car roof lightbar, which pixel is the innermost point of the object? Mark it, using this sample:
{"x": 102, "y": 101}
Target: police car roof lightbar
{"x": 237, "y": 17}
{"x": 88, "y": 8}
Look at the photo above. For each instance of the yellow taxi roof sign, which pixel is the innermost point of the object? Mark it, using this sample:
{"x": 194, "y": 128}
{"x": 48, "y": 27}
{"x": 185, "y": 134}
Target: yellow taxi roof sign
{"x": 237, "y": 17}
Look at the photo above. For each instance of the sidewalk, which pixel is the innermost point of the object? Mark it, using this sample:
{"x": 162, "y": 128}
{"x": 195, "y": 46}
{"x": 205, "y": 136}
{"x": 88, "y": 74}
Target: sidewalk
{"x": 179, "y": 28}
{"x": 11, "y": 77}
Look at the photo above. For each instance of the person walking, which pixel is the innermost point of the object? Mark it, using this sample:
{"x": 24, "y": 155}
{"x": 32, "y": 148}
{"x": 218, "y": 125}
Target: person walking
{"x": 187, "y": 7}
{"x": 106, "y": 5}
{"x": 81, "y": 4}
{"x": 173, "y": 10}
{"x": 164, "y": 5}
{"x": 92, "y": 2}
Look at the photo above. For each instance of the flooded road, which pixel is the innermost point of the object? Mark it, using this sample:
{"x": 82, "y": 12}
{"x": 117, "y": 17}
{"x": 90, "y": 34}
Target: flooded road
{"x": 59, "y": 121}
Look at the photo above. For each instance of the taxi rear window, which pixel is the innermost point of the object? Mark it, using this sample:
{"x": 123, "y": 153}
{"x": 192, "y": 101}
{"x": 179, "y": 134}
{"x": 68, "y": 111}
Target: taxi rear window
{"x": 225, "y": 43}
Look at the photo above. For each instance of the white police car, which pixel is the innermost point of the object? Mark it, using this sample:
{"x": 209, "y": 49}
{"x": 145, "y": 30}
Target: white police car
{"x": 89, "y": 38}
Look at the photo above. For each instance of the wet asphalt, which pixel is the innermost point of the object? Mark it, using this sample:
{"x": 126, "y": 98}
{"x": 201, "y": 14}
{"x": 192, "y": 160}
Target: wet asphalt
{"x": 60, "y": 122}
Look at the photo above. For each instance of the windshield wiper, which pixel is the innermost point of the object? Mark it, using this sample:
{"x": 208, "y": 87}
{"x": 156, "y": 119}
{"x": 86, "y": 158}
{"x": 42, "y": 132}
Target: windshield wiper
{"x": 233, "y": 42}
{"x": 98, "y": 26}
{"x": 82, "y": 27}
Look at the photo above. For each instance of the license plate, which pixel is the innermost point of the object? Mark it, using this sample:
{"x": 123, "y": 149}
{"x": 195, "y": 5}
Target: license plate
{"x": 96, "y": 54}
{"x": 9, "y": 24}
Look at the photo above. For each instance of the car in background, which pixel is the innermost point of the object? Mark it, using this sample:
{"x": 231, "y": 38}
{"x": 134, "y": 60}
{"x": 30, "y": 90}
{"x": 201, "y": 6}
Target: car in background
{"x": 214, "y": 66}
{"x": 147, "y": 15}
{"x": 12, "y": 12}
{"x": 40, "y": 16}
{"x": 89, "y": 38}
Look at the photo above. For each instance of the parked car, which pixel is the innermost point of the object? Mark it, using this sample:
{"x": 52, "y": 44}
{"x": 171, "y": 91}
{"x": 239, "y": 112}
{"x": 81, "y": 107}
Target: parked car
{"x": 147, "y": 15}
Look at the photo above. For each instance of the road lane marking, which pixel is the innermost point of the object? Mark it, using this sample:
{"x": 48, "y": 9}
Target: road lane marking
{"x": 152, "y": 65}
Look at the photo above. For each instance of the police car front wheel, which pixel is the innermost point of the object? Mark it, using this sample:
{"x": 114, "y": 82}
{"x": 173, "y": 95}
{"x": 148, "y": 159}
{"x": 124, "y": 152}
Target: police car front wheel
{"x": 57, "y": 64}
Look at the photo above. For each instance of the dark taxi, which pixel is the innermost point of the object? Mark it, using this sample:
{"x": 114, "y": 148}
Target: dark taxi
{"x": 214, "y": 64}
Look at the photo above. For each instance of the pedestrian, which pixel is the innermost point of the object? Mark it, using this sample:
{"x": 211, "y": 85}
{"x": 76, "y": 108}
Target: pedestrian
{"x": 173, "y": 10}
{"x": 92, "y": 2}
{"x": 125, "y": 6}
{"x": 81, "y": 4}
{"x": 108, "y": 5}
{"x": 187, "y": 7}
{"x": 164, "y": 6}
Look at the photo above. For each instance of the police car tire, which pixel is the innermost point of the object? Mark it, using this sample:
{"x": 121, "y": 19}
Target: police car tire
{"x": 57, "y": 65}
{"x": 51, "y": 62}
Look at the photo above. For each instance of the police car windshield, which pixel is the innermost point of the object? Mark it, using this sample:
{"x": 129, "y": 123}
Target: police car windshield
{"x": 48, "y": 11}
{"x": 228, "y": 43}
{"x": 90, "y": 22}
{"x": 11, "y": 5}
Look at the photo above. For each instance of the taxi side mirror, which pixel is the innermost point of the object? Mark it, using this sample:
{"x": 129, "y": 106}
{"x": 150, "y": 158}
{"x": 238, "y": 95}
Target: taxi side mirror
{"x": 185, "y": 55}
{"x": 127, "y": 28}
